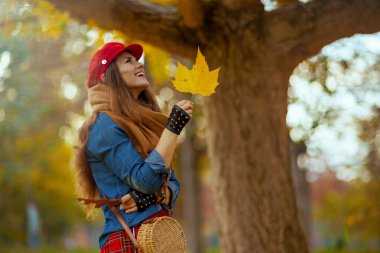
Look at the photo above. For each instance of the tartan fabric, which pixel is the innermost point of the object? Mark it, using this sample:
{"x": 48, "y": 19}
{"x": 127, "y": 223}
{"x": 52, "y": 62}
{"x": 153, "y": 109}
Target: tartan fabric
{"x": 119, "y": 241}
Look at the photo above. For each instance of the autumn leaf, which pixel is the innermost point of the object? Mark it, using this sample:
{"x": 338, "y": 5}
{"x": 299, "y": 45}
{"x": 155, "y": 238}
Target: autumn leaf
{"x": 198, "y": 80}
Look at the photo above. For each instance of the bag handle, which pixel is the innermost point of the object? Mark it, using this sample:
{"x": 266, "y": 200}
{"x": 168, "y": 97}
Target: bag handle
{"x": 124, "y": 225}
{"x": 165, "y": 184}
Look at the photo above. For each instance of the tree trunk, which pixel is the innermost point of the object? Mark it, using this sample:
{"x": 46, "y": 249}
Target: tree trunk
{"x": 249, "y": 150}
{"x": 302, "y": 187}
{"x": 190, "y": 193}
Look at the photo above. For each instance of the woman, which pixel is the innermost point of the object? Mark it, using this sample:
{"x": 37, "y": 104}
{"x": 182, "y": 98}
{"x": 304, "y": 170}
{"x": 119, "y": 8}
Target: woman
{"x": 126, "y": 146}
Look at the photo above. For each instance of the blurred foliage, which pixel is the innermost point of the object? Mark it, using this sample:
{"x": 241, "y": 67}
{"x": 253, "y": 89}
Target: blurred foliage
{"x": 330, "y": 96}
{"x": 334, "y": 108}
{"x": 370, "y": 134}
{"x": 32, "y": 18}
{"x": 353, "y": 214}
{"x": 35, "y": 162}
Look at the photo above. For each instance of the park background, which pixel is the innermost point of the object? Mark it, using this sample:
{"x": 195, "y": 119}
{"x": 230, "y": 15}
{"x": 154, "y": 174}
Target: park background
{"x": 333, "y": 116}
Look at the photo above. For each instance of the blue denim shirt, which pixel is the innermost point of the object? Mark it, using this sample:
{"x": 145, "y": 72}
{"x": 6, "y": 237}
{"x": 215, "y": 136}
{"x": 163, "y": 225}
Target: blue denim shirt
{"x": 118, "y": 168}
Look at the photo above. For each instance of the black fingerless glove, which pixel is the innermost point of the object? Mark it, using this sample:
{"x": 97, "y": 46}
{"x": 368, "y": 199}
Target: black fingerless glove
{"x": 177, "y": 120}
{"x": 142, "y": 200}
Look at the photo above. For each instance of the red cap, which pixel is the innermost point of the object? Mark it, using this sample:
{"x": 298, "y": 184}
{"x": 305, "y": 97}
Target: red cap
{"x": 103, "y": 57}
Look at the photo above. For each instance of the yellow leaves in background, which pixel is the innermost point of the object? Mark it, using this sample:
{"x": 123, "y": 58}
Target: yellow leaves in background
{"x": 157, "y": 61}
{"x": 198, "y": 80}
{"x": 352, "y": 209}
{"x": 52, "y": 22}
{"x": 30, "y": 18}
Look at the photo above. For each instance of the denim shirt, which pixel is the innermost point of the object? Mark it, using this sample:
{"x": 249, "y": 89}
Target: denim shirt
{"x": 118, "y": 168}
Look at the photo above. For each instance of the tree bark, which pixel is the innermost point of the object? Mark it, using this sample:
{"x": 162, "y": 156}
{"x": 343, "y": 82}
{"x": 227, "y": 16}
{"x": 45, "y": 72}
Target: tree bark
{"x": 190, "y": 193}
{"x": 142, "y": 20}
{"x": 302, "y": 187}
{"x": 191, "y": 12}
{"x": 302, "y": 29}
{"x": 240, "y": 4}
{"x": 249, "y": 151}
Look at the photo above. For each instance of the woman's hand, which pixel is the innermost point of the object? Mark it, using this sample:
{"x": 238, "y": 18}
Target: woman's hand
{"x": 128, "y": 204}
{"x": 167, "y": 198}
{"x": 186, "y": 105}
{"x": 137, "y": 201}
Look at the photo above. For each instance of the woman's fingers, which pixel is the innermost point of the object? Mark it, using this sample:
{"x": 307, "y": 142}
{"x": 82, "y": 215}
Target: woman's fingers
{"x": 182, "y": 102}
{"x": 126, "y": 198}
{"x": 131, "y": 210}
{"x": 185, "y": 104}
{"x": 128, "y": 206}
{"x": 127, "y": 203}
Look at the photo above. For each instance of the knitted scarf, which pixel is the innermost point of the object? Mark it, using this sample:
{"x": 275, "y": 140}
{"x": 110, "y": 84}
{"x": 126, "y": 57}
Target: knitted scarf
{"x": 144, "y": 136}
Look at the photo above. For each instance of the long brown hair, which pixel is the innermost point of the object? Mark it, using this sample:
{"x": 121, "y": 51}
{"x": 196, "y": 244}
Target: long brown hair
{"x": 123, "y": 103}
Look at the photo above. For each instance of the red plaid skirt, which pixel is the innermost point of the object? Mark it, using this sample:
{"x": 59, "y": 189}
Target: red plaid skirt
{"x": 119, "y": 242}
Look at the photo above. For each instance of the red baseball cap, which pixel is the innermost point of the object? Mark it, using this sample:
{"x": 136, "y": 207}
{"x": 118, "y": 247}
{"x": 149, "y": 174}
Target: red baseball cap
{"x": 104, "y": 56}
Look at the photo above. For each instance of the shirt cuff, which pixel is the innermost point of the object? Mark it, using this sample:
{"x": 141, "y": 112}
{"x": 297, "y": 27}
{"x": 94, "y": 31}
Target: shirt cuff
{"x": 174, "y": 194}
{"x": 156, "y": 163}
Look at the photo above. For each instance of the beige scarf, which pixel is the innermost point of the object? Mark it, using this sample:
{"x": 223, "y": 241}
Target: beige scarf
{"x": 145, "y": 136}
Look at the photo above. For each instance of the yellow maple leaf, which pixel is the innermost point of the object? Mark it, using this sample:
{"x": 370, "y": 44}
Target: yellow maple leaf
{"x": 198, "y": 80}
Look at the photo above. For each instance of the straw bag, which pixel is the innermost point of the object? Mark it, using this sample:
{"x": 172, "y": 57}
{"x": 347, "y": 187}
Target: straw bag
{"x": 162, "y": 234}
{"x": 156, "y": 235}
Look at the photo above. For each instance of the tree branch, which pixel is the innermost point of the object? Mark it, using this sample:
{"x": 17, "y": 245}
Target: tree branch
{"x": 154, "y": 23}
{"x": 192, "y": 12}
{"x": 301, "y": 30}
{"x": 235, "y": 5}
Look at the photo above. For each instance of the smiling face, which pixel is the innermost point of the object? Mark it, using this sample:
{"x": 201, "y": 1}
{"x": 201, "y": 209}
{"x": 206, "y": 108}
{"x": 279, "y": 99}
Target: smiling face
{"x": 132, "y": 72}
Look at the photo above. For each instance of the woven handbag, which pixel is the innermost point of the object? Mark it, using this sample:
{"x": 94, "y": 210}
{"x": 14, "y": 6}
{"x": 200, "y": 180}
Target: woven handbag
{"x": 157, "y": 235}
{"x": 161, "y": 235}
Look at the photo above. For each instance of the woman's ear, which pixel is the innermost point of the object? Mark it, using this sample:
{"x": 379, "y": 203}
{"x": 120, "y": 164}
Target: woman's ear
{"x": 102, "y": 78}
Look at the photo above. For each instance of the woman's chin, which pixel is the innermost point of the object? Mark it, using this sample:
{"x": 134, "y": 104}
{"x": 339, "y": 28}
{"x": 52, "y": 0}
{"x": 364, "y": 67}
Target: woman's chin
{"x": 143, "y": 84}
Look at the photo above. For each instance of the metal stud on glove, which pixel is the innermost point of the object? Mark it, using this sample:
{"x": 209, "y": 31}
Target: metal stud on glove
{"x": 142, "y": 200}
{"x": 177, "y": 120}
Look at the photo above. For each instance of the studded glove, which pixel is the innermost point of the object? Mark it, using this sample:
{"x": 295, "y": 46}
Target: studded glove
{"x": 142, "y": 200}
{"x": 177, "y": 120}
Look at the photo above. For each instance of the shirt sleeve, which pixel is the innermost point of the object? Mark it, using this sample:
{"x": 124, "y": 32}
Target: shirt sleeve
{"x": 110, "y": 144}
{"x": 174, "y": 187}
